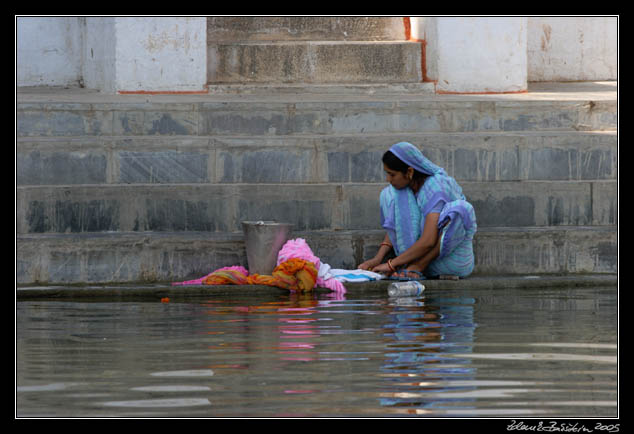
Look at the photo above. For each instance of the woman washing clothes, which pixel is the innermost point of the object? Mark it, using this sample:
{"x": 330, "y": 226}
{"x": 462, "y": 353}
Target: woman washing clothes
{"x": 430, "y": 226}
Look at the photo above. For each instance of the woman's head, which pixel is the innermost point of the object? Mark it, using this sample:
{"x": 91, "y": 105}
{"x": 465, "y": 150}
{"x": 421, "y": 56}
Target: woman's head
{"x": 399, "y": 173}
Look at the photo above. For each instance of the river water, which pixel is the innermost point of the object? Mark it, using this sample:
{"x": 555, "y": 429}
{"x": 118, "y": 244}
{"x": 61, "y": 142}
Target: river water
{"x": 449, "y": 353}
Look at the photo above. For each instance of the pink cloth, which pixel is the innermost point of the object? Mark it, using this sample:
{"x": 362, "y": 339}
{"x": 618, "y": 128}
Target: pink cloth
{"x": 299, "y": 248}
{"x": 332, "y": 284}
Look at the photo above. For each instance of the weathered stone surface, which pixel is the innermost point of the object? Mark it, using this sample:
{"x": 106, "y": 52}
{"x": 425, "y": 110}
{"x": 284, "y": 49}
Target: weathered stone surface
{"x": 221, "y": 207}
{"x": 557, "y": 156}
{"x": 305, "y": 28}
{"x": 163, "y": 167}
{"x": 546, "y": 250}
{"x": 386, "y": 115}
{"x": 61, "y": 167}
{"x": 314, "y": 62}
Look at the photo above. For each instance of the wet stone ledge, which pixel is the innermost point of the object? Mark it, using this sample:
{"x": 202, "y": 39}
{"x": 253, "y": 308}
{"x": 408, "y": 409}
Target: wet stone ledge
{"x": 159, "y": 291}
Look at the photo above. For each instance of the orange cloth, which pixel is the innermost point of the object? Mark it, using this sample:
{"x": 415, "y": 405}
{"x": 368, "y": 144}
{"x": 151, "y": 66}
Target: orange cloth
{"x": 295, "y": 275}
{"x": 225, "y": 277}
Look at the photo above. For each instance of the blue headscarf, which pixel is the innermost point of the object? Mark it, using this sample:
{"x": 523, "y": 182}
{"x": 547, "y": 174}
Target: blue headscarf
{"x": 403, "y": 213}
{"x": 410, "y": 155}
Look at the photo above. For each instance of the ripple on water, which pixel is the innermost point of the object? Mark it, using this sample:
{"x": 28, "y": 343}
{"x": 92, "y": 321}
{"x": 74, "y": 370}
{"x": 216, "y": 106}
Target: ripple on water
{"x": 156, "y": 403}
{"x": 185, "y": 373}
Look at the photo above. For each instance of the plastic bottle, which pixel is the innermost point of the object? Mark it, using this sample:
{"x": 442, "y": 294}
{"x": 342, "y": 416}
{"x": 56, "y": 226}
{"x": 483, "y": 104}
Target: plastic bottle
{"x": 410, "y": 288}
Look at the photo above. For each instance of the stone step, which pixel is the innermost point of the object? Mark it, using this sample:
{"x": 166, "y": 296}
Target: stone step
{"x": 305, "y": 28}
{"x": 315, "y": 62}
{"x": 361, "y": 50}
{"x": 479, "y": 156}
{"x": 262, "y": 90}
{"x": 80, "y": 113}
{"x": 161, "y": 290}
{"x": 344, "y": 206}
{"x": 155, "y": 257}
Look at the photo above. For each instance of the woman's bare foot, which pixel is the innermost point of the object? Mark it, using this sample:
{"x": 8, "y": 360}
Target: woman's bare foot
{"x": 410, "y": 272}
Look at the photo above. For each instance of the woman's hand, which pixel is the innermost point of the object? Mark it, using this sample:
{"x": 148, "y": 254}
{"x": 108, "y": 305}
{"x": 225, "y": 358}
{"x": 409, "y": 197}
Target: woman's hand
{"x": 369, "y": 264}
{"x": 383, "y": 269}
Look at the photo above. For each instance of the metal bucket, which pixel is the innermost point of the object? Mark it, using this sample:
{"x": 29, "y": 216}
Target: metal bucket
{"x": 263, "y": 241}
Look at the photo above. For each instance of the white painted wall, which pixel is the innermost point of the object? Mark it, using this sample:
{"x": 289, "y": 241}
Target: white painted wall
{"x": 99, "y": 54}
{"x": 48, "y": 51}
{"x": 113, "y": 54}
{"x": 425, "y": 29}
{"x": 474, "y": 54}
{"x": 161, "y": 54}
{"x": 572, "y": 48}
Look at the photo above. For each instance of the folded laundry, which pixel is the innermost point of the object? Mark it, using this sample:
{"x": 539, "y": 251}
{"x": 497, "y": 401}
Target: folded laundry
{"x": 298, "y": 269}
{"x": 299, "y": 248}
{"x": 294, "y": 274}
{"x": 355, "y": 275}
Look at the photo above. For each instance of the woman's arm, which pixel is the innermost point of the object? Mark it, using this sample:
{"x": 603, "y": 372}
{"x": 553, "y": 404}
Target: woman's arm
{"x": 423, "y": 245}
{"x": 384, "y": 249}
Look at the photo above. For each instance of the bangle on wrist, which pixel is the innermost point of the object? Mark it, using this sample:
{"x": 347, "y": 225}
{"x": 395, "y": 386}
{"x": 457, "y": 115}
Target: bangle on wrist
{"x": 389, "y": 264}
{"x": 386, "y": 244}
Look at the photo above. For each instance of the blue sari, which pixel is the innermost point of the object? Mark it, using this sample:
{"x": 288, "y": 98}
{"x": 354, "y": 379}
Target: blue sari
{"x": 403, "y": 215}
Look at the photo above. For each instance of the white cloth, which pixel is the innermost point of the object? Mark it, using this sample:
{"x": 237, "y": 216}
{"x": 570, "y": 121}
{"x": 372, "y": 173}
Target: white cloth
{"x": 355, "y": 275}
{"x": 326, "y": 272}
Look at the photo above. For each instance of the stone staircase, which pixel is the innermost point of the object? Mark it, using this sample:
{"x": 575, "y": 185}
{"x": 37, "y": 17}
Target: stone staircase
{"x": 145, "y": 188}
{"x": 311, "y": 50}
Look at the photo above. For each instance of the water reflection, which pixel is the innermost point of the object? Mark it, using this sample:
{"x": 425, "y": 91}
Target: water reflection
{"x": 449, "y": 353}
{"x": 422, "y": 334}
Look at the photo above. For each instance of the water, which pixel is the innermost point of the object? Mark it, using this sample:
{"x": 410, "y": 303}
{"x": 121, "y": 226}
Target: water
{"x": 448, "y": 353}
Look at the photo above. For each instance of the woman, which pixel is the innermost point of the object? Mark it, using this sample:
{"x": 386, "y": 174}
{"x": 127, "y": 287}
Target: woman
{"x": 429, "y": 223}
